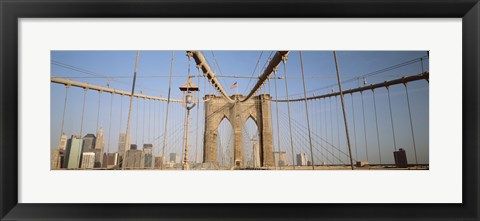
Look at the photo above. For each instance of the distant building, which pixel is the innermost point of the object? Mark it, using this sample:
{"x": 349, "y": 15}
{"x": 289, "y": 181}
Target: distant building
{"x": 135, "y": 159}
{"x": 133, "y": 146}
{"x": 159, "y": 161}
{"x": 121, "y": 143}
{"x": 88, "y": 143}
{"x": 280, "y": 158}
{"x": 302, "y": 159}
{"x": 400, "y": 158}
{"x": 74, "y": 152}
{"x": 174, "y": 158}
{"x": 56, "y": 159}
{"x": 63, "y": 142}
{"x": 88, "y": 160}
{"x": 148, "y": 148}
{"x": 110, "y": 160}
{"x": 99, "y": 148}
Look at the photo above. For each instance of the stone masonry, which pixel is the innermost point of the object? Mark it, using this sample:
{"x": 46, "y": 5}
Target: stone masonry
{"x": 258, "y": 108}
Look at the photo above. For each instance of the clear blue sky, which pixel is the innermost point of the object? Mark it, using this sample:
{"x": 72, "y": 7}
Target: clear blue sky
{"x": 319, "y": 69}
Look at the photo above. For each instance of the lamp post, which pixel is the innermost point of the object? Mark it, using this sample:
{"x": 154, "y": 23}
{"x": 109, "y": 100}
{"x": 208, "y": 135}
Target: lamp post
{"x": 188, "y": 102}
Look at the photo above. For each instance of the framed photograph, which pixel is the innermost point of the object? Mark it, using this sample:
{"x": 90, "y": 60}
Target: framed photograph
{"x": 239, "y": 110}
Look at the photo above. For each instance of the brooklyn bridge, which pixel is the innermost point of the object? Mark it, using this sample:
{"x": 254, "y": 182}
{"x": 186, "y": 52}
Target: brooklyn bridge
{"x": 236, "y": 110}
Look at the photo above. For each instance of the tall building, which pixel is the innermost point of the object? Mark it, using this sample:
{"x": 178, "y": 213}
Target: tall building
{"x": 88, "y": 143}
{"x": 135, "y": 159}
{"x": 110, "y": 160}
{"x": 400, "y": 158}
{"x": 174, "y": 158}
{"x": 63, "y": 142}
{"x": 56, "y": 159}
{"x": 121, "y": 143}
{"x": 88, "y": 160}
{"x": 302, "y": 159}
{"x": 133, "y": 146}
{"x": 74, "y": 152}
{"x": 280, "y": 158}
{"x": 99, "y": 148}
{"x": 148, "y": 150}
{"x": 123, "y": 146}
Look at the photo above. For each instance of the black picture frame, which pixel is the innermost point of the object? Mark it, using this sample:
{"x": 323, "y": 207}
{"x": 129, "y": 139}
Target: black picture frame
{"x": 11, "y": 11}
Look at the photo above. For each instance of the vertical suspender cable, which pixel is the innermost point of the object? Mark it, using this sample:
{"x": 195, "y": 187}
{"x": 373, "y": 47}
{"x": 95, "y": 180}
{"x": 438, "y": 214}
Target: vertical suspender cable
{"x": 121, "y": 108}
{"x": 284, "y": 58}
{"x": 149, "y": 121}
{"x": 354, "y": 128}
{"x": 198, "y": 116}
{"x": 98, "y": 112}
{"x": 338, "y": 126}
{"x": 319, "y": 126}
{"x": 343, "y": 109}
{"x": 411, "y": 124}
{"x": 278, "y": 123}
{"x": 143, "y": 122}
{"x": 109, "y": 126}
{"x": 331, "y": 127}
{"x": 364, "y": 127}
{"x": 83, "y": 110}
{"x": 376, "y": 123}
{"x": 166, "y": 116}
{"x": 64, "y": 110}
{"x": 326, "y": 130}
{"x": 127, "y": 133}
{"x": 391, "y": 119}
{"x": 136, "y": 127}
{"x": 306, "y": 110}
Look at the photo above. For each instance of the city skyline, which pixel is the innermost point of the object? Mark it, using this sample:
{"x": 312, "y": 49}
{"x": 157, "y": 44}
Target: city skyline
{"x": 111, "y": 69}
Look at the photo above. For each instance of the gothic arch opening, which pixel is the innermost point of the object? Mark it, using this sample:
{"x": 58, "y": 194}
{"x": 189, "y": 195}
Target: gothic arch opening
{"x": 251, "y": 144}
{"x": 225, "y": 141}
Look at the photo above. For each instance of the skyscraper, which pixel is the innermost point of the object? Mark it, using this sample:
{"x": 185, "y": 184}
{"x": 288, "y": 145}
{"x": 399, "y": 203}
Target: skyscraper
{"x": 74, "y": 152}
{"x": 88, "y": 160}
{"x": 280, "y": 158}
{"x": 88, "y": 143}
{"x": 63, "y": 142}
{"x": 56, "y": 160}
{"x": 121, "y": 144}
{"x": 99, "y": 148}
{"x": 148, "y": 151}
{"x": 302, "y": 159}
{"x": 135, "y": 159}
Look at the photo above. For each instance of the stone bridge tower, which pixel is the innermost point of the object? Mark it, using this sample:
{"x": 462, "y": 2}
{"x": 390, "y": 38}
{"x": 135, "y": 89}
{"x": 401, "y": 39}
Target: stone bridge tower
{"x": 258, "y": 108}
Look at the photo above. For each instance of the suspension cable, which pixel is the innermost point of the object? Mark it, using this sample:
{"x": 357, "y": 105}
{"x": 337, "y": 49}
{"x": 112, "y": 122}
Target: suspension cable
{"x": 166, "y": 117}
{"x": 354, "y": 128}
{"x": 343, "y": 109}
{"x": 136, "y": 125}
{"x": 376, "y": 123}
{"x": 278, "y": 126}
{"x": 83, "y": 110}
{"x": 64, "y": 110}
{"x": 149, "y": 114}
{"x": 198, "y": 116}
{"x": 325, "y": 115}
{"x": 98, "y": 112}
{"x": 109, "y": 127}
{"x": 121, "y": 108}
{"x": 338, "y": 125}
{"x": 127, "y": 133}
{"x": 364, "y": 126}
{"x": 306, "y": 110}
{"x": 143, "y": 122}
{"x": 391, "y": 119}
{"x": 331, "y": 122}
{"x": 411, "y": 125}
{"x": 284, "y": 59}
